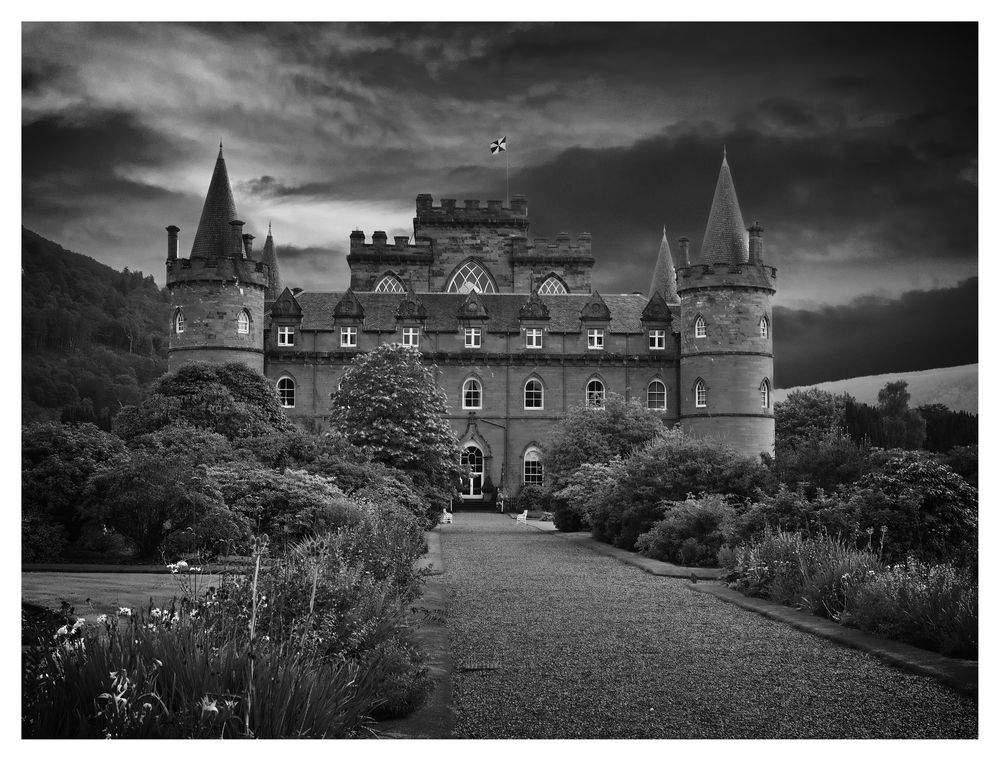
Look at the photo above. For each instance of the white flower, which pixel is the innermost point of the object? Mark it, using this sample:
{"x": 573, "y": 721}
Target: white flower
{"x": 79, "y": 622}
{"x": 155, "y": 612}
{"x": 63, "y": 630}
{"x": 102, "y": 619}
{"x": 124, "y": 611}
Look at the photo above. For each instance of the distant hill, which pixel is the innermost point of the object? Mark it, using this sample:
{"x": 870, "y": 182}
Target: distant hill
{"x": 91, "y": 337}
{"x": 957, "y": 388}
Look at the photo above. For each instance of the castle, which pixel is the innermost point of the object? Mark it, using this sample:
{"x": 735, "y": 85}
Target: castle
{"x": 513, "y": 326}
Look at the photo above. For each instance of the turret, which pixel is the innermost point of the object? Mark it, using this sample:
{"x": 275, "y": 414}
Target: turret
{"x": 217, "y": 294}
{"x": 270, "y": 259}
{"x": 664, "y": 279}
{"x": 727, "y": 358}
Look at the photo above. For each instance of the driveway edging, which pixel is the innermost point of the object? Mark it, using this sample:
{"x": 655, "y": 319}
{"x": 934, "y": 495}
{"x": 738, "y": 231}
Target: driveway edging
{"x": 960, "y": 674}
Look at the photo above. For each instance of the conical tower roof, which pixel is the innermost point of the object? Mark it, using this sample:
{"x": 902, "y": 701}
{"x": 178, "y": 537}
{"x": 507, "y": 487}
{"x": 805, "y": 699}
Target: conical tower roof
{"x": 270, "y": 258}
{"x": 664, "y": 278}
{"x": 725, "y": 234}
{"x": 214, "y": 236}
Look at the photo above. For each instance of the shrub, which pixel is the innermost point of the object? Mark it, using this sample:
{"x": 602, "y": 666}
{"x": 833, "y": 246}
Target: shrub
{"x": 588, "y": 488}
{"x": 930, "y": 606}
{"x": 690, "y": 533}
{"x": 532, "y": 498}
{"x": 793, "y": 510}
{"x": 670, "y": 468}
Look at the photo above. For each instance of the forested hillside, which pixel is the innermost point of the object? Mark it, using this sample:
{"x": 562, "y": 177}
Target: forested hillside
{"x": 91, "y": 337}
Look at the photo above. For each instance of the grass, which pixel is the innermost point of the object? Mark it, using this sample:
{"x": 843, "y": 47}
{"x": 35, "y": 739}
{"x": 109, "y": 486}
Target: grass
{"x": 94, "y": 593}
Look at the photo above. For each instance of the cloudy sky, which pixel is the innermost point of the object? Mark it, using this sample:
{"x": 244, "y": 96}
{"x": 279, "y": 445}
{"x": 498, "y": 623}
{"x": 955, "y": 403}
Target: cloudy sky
{"x": 854, "y": 145}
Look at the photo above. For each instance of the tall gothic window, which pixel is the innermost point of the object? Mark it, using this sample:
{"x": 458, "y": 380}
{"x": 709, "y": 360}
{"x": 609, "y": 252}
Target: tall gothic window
{"x": 700, "y": 394}
{"x": 390, "y": 284}
{"x": 533, "y": 466}
{"x": 765, "y": 327}
{"x": 286, "y": 391}
{"x": 700, "y": 330}
{"x": 534, "y": 395}
{"x": 551, "y": 285}
{"x": 656, "y": 395}
{"x": 765, "y": 394}
{"x": 595, "y": 393}
{"x": 471, "y": 277}
{"x": 472, "y": 395}
{"x": 179, "y": 321}
{"x": 243, "y": 322}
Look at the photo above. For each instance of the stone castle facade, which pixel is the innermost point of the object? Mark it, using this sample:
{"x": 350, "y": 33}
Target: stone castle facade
{"x": 513, "y": 325}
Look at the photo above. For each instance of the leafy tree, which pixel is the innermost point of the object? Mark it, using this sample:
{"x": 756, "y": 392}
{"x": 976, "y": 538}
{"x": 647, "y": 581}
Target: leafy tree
{"x": 668, "y": 469}
{"x": 930, "y": 512}
{"x": 163, "y": 505}
{"x": 588, "y": 434}
{"x": 904, "y": 428}
{"x": 231, "y": 400}
{"x": 589, "y": 487}
{"x": 825, "y": 459}
{"x": 947, "y": 429}
{"x": 806, "y": 414}
{"x": 56, "y": 463}
{"x": 389, "y": 406}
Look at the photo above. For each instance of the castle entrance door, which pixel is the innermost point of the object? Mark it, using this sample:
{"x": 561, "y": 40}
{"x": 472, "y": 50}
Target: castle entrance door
{"x": 472, "y": 485}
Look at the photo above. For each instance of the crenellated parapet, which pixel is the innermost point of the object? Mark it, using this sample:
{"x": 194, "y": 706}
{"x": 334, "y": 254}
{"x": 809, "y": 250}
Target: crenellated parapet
{"x": 757, "y": 276}
{"x": 381, "y": 250}
{"x": 556, "y": 250}
{"x": 232, "y": 270}
{"x": 471, "y": 212}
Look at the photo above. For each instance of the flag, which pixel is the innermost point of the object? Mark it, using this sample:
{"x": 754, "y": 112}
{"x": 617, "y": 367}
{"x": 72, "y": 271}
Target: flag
{"x": 498, "y": 145}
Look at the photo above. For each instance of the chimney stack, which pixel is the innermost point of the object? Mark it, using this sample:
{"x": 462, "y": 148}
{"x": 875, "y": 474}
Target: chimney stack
{"x": 172, "y": 242}
{"x": 248, "y": 245}
{"x": 685, "y": 245}
{"x": 237, "y": 250}
{"x": 756, "y": 243}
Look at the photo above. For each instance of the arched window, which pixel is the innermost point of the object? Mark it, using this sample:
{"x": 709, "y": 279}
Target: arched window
{"x": 699, "y": 327}
{"x": 243, "y": 322}
{"x": 472, "y": 395}
{"x": 179, "y": 321}
{"x": 551, "y": 285}
{"x": 534, "y": 395}
{"x": 700, "y": 394}
{"x": 656, "y": 395}
{"x": 765, "y": 327}
{"x": 470, "y": 277}
{"x": 765, "y": 394}
{"x": 595, "y": 393}
{"x": 286, "y": 391}
{"x": 390, "y": 284}
{"x": 472, "y": 484}
{"x": 533, "y": 466}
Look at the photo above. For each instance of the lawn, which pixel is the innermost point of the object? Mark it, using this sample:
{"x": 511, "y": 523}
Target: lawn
{"x": 94, "y": 593}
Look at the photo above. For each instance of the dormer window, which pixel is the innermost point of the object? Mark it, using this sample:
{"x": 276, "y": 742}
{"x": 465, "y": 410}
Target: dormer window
{"x": 179, "y": 321}
{"x": 473, "y": 338}
{"x": 657, "y": 340}
{"x": 595, "y": 338}
{"x": 411, "y": 336}
{"x": 533, "y": 338}
{"x": 765, "y": 327}
{"x": 700, "y": 330}
{"x": 286, "y": 336}
{"x": 243, "y": 323}
{"x": 349, "y": 337}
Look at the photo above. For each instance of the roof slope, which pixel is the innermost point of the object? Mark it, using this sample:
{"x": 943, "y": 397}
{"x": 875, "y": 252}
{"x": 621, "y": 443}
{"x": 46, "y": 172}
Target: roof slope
{"x": 664, "y": 278}
{"x": 442, "y": 311}
{"x": 725, "y": 234}
{"x": 214, "y": 236}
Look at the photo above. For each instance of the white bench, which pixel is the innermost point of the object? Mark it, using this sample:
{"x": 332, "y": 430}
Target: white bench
{"x": 523, "y": 518}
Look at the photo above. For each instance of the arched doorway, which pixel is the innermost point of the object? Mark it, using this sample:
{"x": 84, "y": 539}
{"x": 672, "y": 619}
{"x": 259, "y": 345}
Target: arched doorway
{"x": 472, "y": 484}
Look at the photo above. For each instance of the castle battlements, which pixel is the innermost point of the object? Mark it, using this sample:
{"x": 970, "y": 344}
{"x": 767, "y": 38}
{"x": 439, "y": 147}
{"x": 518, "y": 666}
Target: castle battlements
{"x": 380, "y": 246}
{"x": 471, "y": 212}
{"x": 226, "y": 269}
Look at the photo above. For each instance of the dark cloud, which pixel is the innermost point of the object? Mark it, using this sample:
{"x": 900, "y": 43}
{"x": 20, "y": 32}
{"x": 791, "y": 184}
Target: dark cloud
{"x": 920, "y": 330}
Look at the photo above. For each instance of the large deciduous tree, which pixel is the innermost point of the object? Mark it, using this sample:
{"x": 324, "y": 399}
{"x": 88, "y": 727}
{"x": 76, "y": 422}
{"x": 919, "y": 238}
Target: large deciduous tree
{"x": 589, "y": 434}
{"x": 389, "y": 406}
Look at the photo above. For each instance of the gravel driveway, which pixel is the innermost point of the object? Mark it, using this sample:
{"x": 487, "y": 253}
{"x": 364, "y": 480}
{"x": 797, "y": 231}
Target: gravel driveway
{"x": 551, "y": 640}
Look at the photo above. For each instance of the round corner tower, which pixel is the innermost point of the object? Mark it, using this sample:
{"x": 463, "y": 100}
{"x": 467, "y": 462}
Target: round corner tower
{"x": 727, "y": 357}
{"x": 217, "y": 294}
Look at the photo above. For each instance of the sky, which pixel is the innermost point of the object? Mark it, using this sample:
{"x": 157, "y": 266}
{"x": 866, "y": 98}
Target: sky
{"x": 854, "y": 145}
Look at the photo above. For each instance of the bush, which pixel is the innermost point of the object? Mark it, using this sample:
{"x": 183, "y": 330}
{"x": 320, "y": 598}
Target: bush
{"x": 532, "y": 498}
{"x": 588, "y": 488}
{"x": 792, "y": 510}
{"x": 669, "y": 469}
{"x": 930, "y": 606}
{"x": 691, "y": 532}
